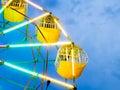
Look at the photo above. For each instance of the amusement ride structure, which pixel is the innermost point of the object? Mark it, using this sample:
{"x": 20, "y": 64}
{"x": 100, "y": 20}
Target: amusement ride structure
{"x": 70, "y": 59}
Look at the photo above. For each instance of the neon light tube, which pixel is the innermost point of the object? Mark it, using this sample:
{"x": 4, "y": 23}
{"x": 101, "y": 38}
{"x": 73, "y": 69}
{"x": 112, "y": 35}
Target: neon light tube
{"x": 37, "y": 44}
{"x": 20, "y": 69}
{"x": 5, "y": 6}
{"x": 35, "y": 5}
{"x": 39, "y": 75}
{"x": 62, "y": 29}
{"x": 33, "y": 45}
{"x": 56, "y": 81}
{"x": 23, "y": 24}
{"x": 73, "y": 65}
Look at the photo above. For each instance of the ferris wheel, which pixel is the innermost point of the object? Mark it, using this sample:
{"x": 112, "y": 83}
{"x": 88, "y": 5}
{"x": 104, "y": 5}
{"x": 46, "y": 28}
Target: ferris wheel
{"x": 70, "y": 59}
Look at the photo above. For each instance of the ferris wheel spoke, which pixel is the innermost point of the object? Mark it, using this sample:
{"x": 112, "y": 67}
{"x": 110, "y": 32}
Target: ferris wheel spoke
{"x": 37, "y": 6}
{"x": 7, "y": 4}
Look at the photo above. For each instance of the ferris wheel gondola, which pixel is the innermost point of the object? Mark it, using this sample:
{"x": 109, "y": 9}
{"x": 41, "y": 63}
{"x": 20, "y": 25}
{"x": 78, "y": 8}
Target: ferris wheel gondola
{"x": 9, "y": 12}
{"x": 70, "y": 61}
{"x": 48, "y": 30}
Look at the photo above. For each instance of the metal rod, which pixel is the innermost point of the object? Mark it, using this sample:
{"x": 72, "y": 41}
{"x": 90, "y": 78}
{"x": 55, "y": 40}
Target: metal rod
{"x": 3, "y": 46}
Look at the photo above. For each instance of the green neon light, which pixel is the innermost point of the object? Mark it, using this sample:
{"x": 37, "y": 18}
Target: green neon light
{"x": 37, "y": 44}
{"x": 23, "y": 24}
{"x": 25, "y": 45}
{"x": 21, "y": 69}
{"x": 38, "y": 75}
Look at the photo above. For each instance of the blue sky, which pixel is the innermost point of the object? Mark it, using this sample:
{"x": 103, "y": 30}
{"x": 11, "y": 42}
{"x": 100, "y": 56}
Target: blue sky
{"x": 93, "y": 25}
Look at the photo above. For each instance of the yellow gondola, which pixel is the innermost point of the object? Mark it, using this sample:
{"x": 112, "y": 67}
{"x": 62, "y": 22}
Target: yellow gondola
{"x": 64, "y": 61}
{"x": 48, "y": 31}
{"x": 10, "y": 12}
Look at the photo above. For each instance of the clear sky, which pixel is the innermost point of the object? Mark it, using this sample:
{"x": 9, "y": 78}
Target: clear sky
{"x": 93, "y": 25}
